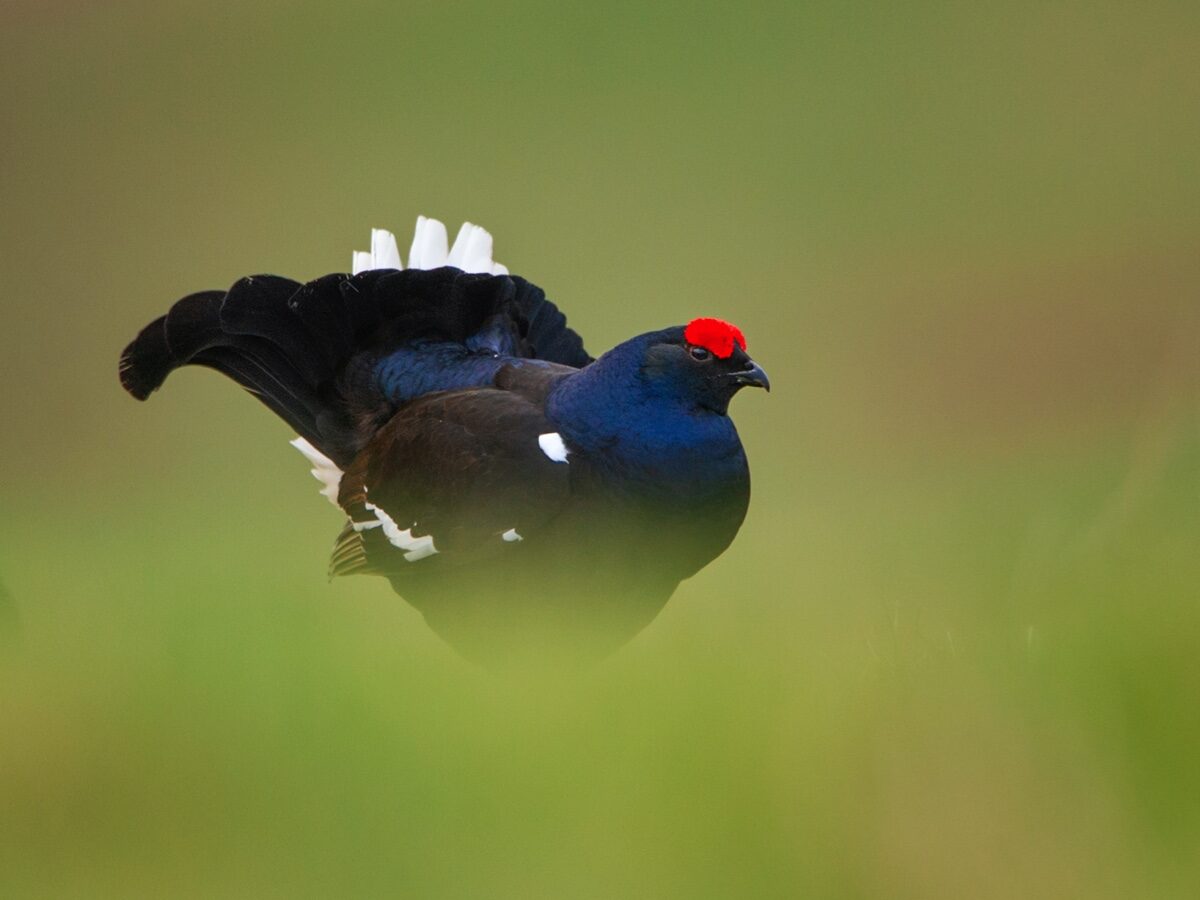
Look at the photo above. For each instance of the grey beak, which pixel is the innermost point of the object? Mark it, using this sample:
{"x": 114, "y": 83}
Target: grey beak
{"x": 753, "y": 376}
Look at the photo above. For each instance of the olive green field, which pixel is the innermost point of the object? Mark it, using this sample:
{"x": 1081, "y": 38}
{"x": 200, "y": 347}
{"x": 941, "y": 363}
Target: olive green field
{"x": 954, "y": 653}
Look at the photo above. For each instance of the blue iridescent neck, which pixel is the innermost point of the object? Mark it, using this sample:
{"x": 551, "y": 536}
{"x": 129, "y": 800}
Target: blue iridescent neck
{"x": 614, "y": 407}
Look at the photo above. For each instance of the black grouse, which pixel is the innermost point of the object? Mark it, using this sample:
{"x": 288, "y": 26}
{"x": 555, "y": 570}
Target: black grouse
{"x": 527, "y": 499}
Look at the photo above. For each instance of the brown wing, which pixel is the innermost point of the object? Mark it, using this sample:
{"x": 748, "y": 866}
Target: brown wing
{"x": 453, "y": 478}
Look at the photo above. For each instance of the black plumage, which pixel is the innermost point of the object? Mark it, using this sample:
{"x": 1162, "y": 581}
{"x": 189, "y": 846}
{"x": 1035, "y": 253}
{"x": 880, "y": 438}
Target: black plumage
{"x": 525, "y": 498}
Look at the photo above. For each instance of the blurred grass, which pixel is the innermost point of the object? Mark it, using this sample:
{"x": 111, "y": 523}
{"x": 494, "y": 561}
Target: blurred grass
{"x": 953, "y": 652}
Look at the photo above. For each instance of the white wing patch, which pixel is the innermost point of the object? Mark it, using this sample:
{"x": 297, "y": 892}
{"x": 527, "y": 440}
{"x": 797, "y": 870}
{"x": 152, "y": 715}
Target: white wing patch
{"x": 511, "y": 535}
{"x": 323, "y": 468}
{"x": 552, "y": 445}
{"x": 472, "y": 250}
{"x": 415, "y": 547}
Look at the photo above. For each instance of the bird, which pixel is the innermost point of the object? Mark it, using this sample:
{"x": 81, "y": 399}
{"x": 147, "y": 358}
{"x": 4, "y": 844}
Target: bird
{"x": 530, "y": 501}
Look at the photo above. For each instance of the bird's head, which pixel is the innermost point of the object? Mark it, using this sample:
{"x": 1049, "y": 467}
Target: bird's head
{"x": 702, "y": 363}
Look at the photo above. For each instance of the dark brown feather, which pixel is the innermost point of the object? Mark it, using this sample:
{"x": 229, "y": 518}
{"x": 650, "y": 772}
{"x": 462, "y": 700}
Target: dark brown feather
{"x": 463, "y": 467}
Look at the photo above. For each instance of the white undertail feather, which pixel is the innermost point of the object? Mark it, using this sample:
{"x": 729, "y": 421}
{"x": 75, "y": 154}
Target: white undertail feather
{"x": 429, "y": 248}
{"x": 324, "y": 469}
{"x": 384, "y": 252}
{"x": 472, "y": 250}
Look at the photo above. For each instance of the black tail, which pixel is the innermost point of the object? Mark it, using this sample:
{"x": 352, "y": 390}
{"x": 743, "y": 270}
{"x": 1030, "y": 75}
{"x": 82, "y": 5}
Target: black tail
{"x": 291, "y": 345}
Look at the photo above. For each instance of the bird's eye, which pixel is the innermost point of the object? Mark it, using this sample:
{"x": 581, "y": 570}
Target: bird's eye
{"x": 699, "y": 353}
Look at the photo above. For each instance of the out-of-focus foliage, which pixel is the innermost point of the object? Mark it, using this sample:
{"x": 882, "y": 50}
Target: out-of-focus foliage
{"x": 954, "y": 651}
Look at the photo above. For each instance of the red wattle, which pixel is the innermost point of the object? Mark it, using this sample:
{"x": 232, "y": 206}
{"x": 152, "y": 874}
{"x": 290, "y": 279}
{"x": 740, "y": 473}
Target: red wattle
{"x": 714, "y": 335}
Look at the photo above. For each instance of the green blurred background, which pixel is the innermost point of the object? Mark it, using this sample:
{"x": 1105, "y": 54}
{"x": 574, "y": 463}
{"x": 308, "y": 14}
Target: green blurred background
{"x": 955, "y": 651}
